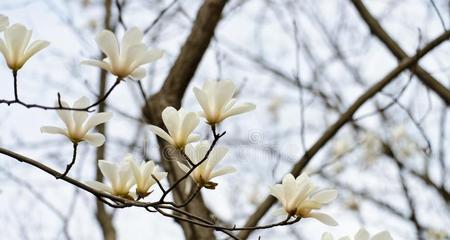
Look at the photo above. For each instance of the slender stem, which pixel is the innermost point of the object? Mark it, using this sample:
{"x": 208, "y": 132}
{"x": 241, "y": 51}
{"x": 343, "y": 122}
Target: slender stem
{"x": 59, "y": 106}
{"x": 102, "y": 99}
{"x": 70, "y": 165}
{"x": 16, "y": 94}
{"x": 194, "y": 166}
{"x": 189, "y": 199}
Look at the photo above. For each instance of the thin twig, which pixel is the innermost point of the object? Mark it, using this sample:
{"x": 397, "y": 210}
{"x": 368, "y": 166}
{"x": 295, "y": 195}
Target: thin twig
{"x": 59, "y": 107}
{"x": 70, "y": 165}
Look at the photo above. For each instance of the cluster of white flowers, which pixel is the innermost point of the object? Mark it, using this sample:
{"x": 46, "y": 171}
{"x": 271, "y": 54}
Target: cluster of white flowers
{"x": 124, "y": 175}
{"x": 300, "y": 199}
{"x": 298, "y": 196}
{"x": 122, "y": 61}
{"x": 362, "y": 234}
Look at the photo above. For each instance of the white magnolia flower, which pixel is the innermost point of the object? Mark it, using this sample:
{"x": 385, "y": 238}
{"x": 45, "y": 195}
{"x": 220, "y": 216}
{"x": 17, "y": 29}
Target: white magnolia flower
{"x": 124, "y": 60}
{"x": 15, "y": 48}
{"x": 143, "y": 175}
{"x": 4, "y": 22}
{"x": 120, "y": 177}
{"x": 203, "y": 174}
{"x": 295, "y": 194}
{"x": 180, "y": 125}
{"x": 362, "y": 234}
{"x": 78, "y": 125}
{"x": 217, "y": 102}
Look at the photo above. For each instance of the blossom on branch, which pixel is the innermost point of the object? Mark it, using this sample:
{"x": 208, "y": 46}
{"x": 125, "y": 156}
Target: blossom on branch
{"x": 217, "y": 102}
{"x": 362, "y": 234}
{"x": 180, "y": 125}
{"x": 295, "y": 194}
{"x": 120, "y": 178}
{"x": 4, "y": 22}
{"x": 203, "y": 173}
{"x": 78, "y": 125}
{"x": 16, "y": 48}
{"x": 144, "y": 174}
{"x": 124, "y": 60}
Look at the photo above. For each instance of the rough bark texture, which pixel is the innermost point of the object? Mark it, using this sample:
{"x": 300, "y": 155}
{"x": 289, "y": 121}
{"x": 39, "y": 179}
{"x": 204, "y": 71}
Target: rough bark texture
{"x": 172, "y": 93}
{"x": 104, "y": 218}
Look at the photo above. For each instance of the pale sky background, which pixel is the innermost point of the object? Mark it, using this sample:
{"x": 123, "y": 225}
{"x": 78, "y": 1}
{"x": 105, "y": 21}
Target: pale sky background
{"x": 255, "y": 29}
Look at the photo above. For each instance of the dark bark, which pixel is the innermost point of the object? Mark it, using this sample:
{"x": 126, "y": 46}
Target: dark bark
{"x": 171, "y": 94}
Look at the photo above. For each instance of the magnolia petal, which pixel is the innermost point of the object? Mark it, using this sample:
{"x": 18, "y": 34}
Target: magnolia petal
{"x": 99, "y": 186}
{"x": 101, "y": 64}
{"x": 136, "y": 173}
{"x": 4, "y": 50}
{"x": 80, "y": 116}
{"x": 242, "y": 108}
{"x": 289, "y": 182}
{"x": 385, "y": 235}
{"x": 190, "y": 151}
{"x": 217, "y": 154}
{"x": 324, "y": 218}
{"x": 325, "y": 196}
{"x": 65, "y": 115}
{"x": 224, "y": 94}
{"x": 171, "y": 119}
{"x": 151, "y": 56}
{"x": 229, "y": 105}
{"x": 125, "y": 177}
{"x": 362, "y": 234}
{"x": 34, "y": 48}
{"x": 131, "y": 37}
{"x": 4, "y": 22}
{"x": 183, "y": 167}
{"x": 202, "y": 99}
{"x": 107, "y": 42}
{"x": 202, "y": 148}
{"x": 193, "y": 138}
{"x": 327, "y": 236}
{"x": 97, "y": 119}
{"x": 160, "y": 175}
{"x": 161, "y": 133}
{"x": 190, "y": 122}
{"x": 148, "y": 168}
{"x": 130, "y": 56}
{"x": 53, "y": 130}
{"x": 222, "y": 171}
{"x": 277, "y": 191}
{"x": 109, "y": 170}
{"x": 95, "y": 139}
{"x": 309, "y": 204}
{"x": 138, "y": 73}
{"x": 17, "y": 38}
